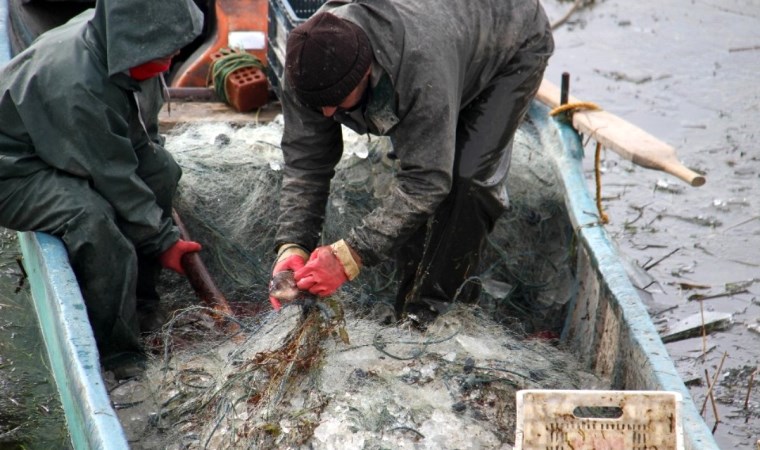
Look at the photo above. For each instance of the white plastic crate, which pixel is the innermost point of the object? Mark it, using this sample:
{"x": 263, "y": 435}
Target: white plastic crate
{"x": 598, "y": 420}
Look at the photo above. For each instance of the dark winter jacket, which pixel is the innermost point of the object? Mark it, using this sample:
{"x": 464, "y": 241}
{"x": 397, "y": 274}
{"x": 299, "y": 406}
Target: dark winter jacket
{"x": 68, "y": 103}
{"x": 433, "y": 57}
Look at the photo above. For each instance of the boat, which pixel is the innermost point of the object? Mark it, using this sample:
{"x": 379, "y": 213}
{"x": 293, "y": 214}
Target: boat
{"x": 605, "y": 326}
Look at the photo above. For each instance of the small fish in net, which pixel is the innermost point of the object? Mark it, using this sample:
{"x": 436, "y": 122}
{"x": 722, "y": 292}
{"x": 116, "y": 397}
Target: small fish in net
{"x": 283, "y": 286}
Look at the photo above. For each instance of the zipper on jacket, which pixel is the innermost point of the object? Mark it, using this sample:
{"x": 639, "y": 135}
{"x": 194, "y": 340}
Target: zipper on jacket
{"x": 142, "y": 123}
{"x": 165, "y": 94}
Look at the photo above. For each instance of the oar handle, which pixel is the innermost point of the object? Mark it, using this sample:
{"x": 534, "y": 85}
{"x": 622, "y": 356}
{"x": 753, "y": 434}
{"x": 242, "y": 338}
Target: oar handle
{"x": 679, "y": 170}
{"x": 623, "y": 138}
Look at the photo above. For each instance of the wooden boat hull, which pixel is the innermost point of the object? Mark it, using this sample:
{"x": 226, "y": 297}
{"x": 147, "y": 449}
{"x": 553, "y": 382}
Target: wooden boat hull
{"x": 91, "y": 421}
{"x": 607, "y": 325}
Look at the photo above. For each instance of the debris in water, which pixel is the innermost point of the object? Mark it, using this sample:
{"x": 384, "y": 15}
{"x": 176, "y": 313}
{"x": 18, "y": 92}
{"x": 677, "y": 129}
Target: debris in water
{"x": 702, "y": 221}
{"x": 741, "y": 287}
{"x": 754, "y": 327}
{"x": 666, "y": 186}
{"x": 691, "y": 286}
{"x": 692, "y": 325}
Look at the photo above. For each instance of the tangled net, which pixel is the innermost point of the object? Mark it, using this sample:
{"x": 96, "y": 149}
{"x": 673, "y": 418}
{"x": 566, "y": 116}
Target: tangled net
{"x": 333, "y": 374}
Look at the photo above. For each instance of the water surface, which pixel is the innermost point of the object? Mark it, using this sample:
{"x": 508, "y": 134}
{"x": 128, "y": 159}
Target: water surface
{"x": 687, "y": 72}
{"x": 30, "y": 410}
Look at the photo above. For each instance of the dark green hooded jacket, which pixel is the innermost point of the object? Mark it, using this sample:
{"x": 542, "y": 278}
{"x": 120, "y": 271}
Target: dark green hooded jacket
{"x": 67, "y": 102}
{"x": 439, "y": 55}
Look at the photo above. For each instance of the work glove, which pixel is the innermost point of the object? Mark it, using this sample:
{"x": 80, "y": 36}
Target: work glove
{"x": 290, "y": 257}
{"x": 171, "y": 258}
{"x": 328, "y": 268}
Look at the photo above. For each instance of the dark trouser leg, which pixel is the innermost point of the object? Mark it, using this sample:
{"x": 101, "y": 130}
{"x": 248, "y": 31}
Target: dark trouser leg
{"x": 103, "y": 259}
{"x": 437, "y": 263}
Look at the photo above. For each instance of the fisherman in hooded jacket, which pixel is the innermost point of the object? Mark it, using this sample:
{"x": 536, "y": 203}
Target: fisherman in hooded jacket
{"x": 81, "y": 157}
{"x": 449, "y": 82}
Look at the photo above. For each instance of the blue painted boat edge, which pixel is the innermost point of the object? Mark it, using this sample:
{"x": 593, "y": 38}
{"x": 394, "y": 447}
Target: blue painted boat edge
{"x": 607, "y": 260}
{"x": 5, "y": 45}
{"x": 73, "y": 355}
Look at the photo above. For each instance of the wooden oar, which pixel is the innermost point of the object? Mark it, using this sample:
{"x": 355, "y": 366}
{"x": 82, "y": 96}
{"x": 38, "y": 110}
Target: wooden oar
{"x": 622, "y": 137}
{"x": 201, "y": 281}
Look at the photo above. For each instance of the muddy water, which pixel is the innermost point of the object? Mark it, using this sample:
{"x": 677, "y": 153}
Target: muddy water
{"x": 687, "y": 72}
{"x": 30, "y": 410}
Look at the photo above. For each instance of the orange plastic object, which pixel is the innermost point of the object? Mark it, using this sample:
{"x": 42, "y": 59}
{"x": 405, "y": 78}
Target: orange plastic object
{"x": 231, "y": 16}
{"x": 247, "y": 88}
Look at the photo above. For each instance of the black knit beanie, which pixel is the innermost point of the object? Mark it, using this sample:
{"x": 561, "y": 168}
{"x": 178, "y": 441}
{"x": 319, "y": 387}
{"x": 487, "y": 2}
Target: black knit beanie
{"x": 326, "y": 58}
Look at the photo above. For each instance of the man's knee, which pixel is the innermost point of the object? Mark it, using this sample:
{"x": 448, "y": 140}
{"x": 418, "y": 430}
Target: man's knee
{"x": 91, "y": 220}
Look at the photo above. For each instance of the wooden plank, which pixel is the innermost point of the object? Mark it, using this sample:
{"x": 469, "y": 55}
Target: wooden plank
{"x": 622, "y": 137}
{"x": 696, "y": 324}
{"x": 180, "y": 112}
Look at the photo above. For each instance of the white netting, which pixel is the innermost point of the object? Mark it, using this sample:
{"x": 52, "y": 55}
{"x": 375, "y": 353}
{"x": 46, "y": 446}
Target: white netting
{"x": 336, "y": 377}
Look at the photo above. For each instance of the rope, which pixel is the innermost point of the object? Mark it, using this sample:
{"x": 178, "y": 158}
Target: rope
{"x": 603, "y": 217}
{"x": 575, "y": 106}
{"x": 230, "y": 61}
{"x": 588, "y": 106}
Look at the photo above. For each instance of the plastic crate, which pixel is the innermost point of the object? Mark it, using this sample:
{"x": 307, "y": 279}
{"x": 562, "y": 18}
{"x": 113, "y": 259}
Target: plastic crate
{"x": 284, "y": 15}
{"x": 586, "y": 420}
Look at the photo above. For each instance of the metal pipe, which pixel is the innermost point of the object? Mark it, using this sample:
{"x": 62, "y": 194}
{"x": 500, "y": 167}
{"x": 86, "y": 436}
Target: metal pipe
{"x": 201, "y": 281}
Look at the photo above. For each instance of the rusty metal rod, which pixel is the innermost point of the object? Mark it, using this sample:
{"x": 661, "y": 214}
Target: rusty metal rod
{"x": 201, "y": 281}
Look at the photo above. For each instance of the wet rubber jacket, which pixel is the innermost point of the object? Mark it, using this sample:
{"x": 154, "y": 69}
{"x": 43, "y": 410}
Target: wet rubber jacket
{"x": 68, "y": 102}
{"x": 439, "y": 55}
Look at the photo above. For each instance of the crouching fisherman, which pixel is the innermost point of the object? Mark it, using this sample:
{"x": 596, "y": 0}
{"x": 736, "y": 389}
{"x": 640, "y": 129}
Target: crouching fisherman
{"x": 449, "y": 82}
{"x": 81, "y": 159}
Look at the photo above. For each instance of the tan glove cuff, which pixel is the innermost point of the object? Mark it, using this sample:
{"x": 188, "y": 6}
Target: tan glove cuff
{"x": 287, "y": 250}
{"x": 343, "y": 252}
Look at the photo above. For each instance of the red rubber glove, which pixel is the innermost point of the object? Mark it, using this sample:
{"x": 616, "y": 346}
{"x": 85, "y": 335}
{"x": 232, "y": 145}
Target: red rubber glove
{"x": 323, "y": 273}
{"x": 293, "y": 262}
{"x": 172, "y": 257}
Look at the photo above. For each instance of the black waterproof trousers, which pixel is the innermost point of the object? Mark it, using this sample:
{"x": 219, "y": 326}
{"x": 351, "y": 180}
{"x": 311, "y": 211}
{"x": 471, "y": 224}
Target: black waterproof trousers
{"x": 104, "y": 260}
{"x": 437, "y": 264}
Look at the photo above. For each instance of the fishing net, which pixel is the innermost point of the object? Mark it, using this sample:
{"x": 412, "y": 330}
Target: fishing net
{"x": 337, "y": 374}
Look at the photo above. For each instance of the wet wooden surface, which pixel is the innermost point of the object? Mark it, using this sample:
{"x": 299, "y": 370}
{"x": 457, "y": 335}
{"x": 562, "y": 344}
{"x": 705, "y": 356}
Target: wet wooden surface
{"x": 183, "y": 112}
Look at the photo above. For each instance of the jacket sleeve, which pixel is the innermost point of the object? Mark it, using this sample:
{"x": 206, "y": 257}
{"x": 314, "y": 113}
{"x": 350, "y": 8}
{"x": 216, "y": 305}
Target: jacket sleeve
{"x": 312, "y": 146}
{"x": 87, "y": 135}
{"x": 424, "y": 142}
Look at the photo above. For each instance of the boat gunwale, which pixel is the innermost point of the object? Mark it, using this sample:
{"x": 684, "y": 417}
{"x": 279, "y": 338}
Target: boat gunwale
{"x": 605, "y": 258}
{"x": 91, "y": 421}
{"x": 80, "y": 379}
